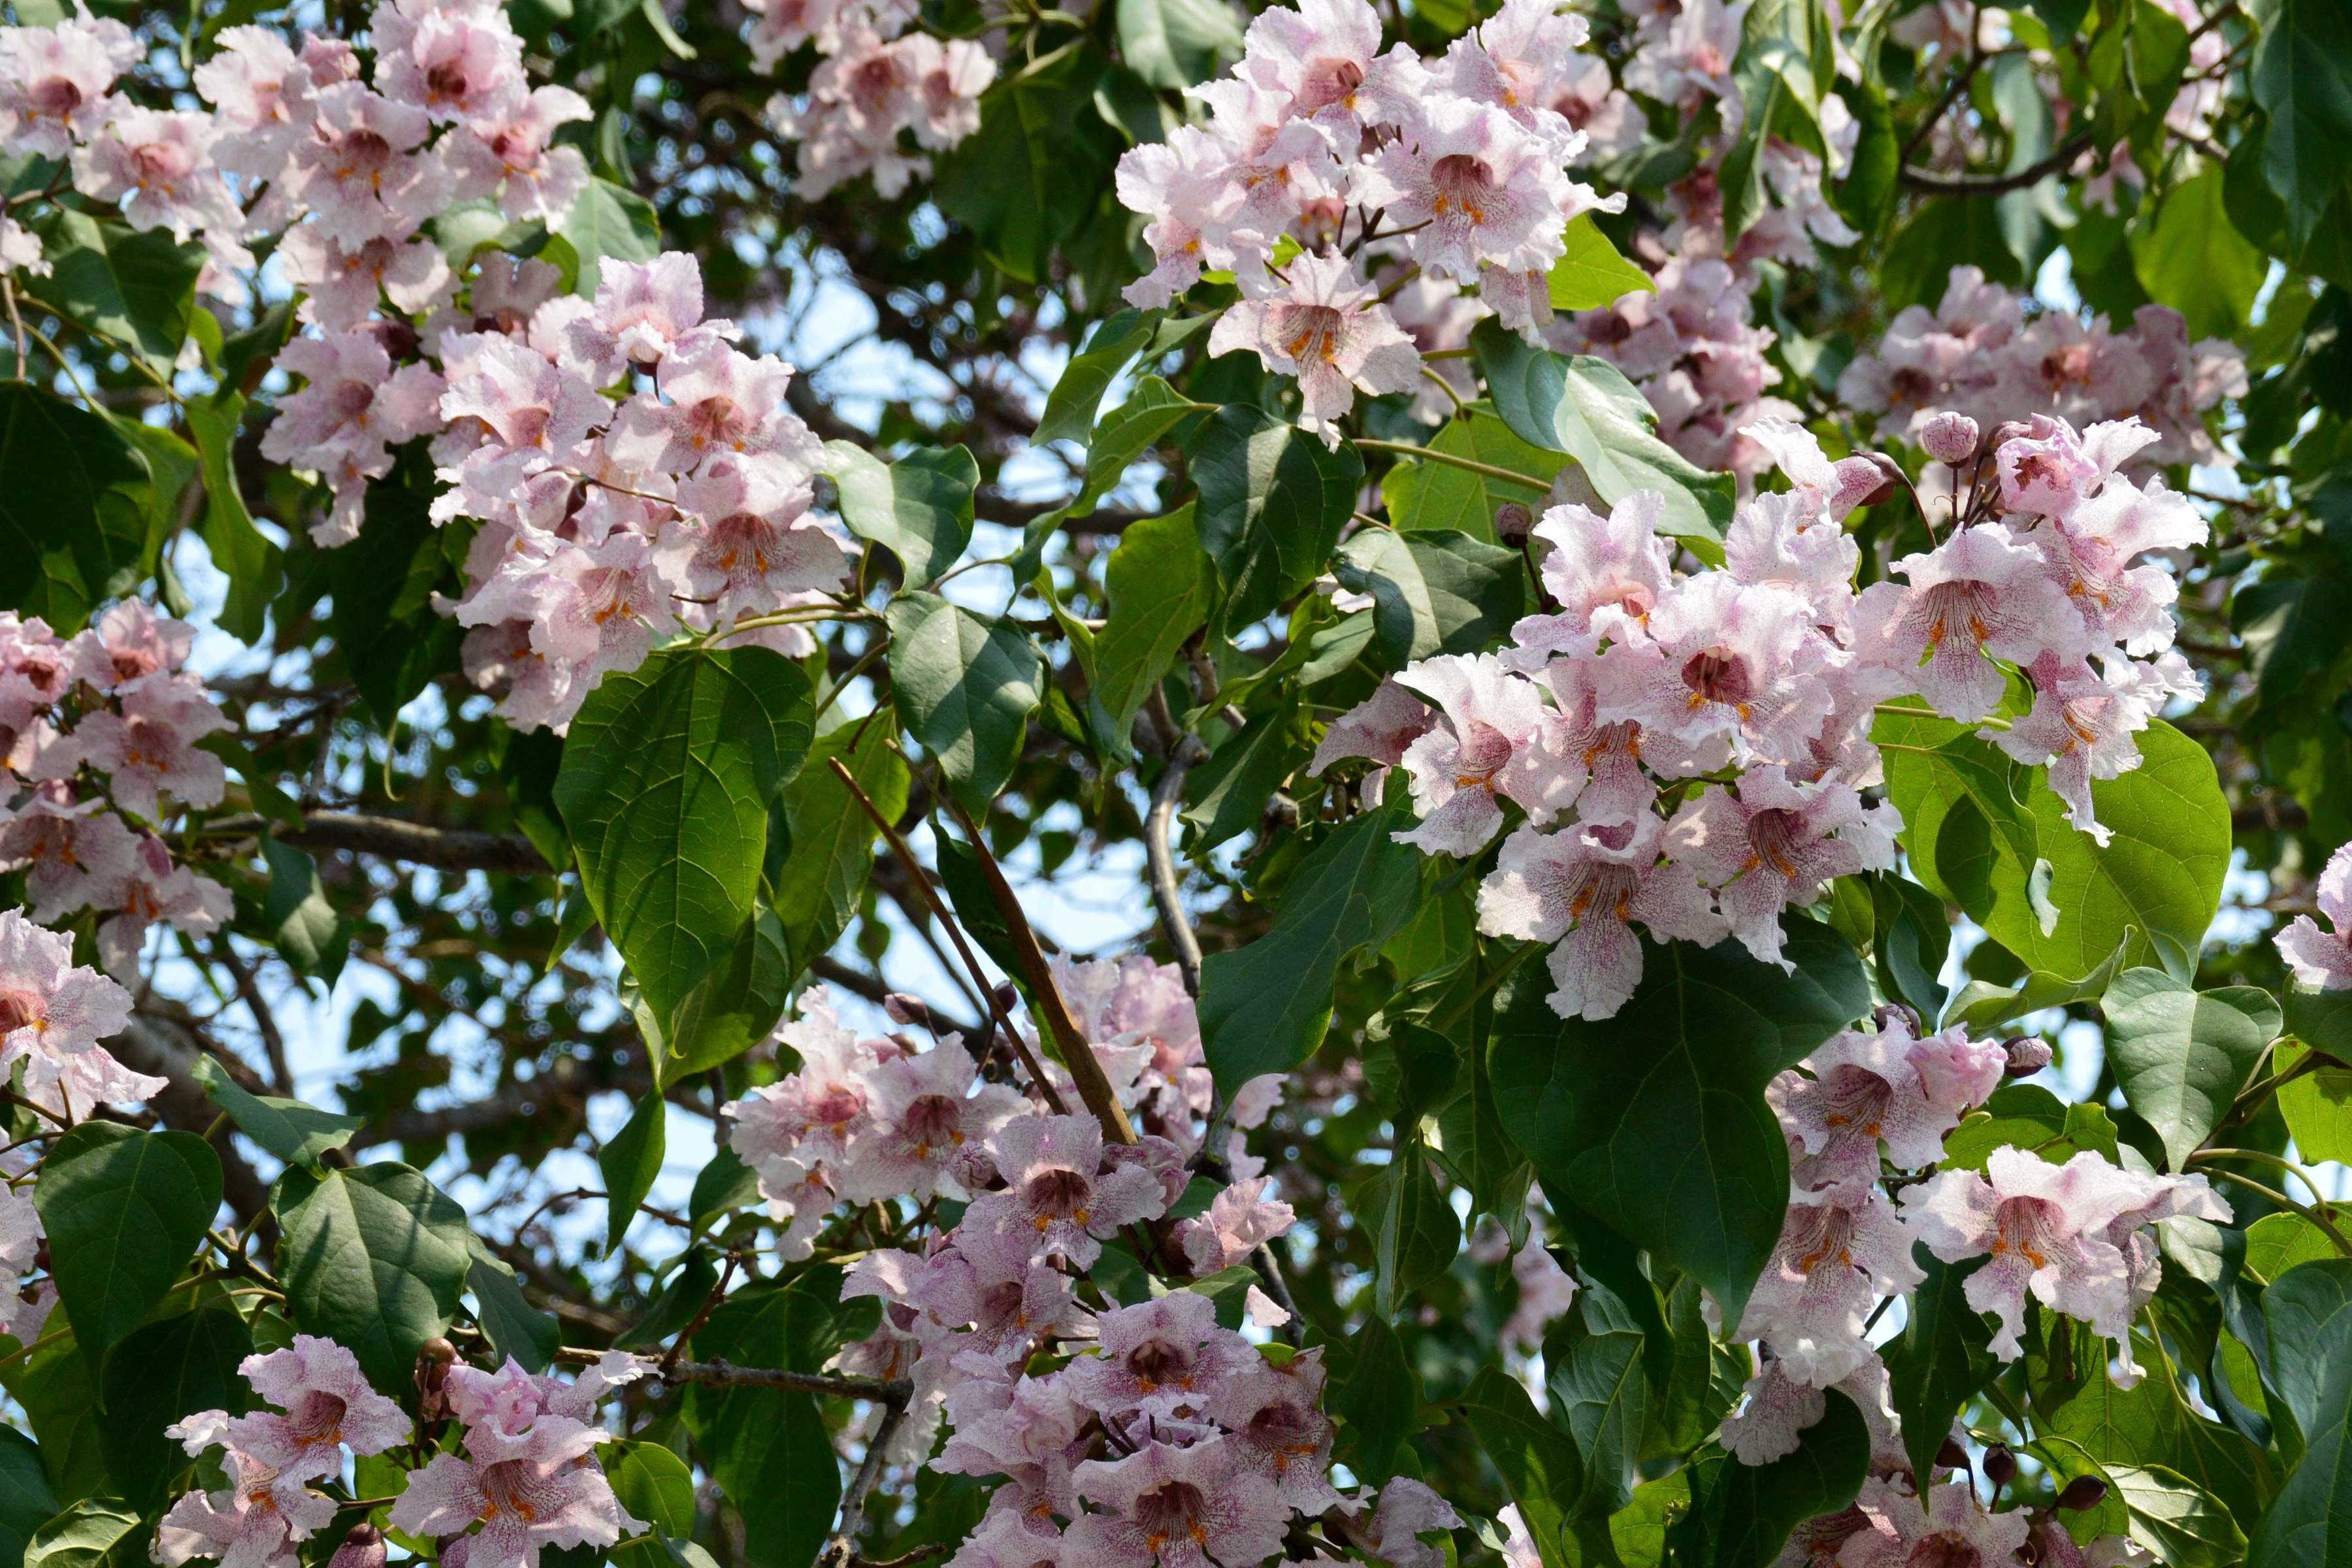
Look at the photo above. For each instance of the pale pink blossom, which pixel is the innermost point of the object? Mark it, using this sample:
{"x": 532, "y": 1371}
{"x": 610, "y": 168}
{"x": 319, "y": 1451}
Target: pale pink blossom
{"x": 1325, "y": 55}
{"x": 1867, "y": 1088}
{"x": 1776, "y": 843}
{"x": 52, "y": 1016}
{"x": 1606, "y": 574}
{"x": 344, "y": 285}
{"x": 1178, "y": 1506}
{"x": 1475, "y": 187}
{"x": 1728, "y": 670}
{"x": 252, "y": 1525}
{"x": 1058, "y": 1200}
{"x": 57, "y": 83}
{"x": 361, "y": 172}
{"x": 1952, "y": 1526}
{"x": 814, "y": 1114}
{"x": 134, "y": 642}
{"x": 455, "y": 63}
{"x": 157, "y": 891}
{"x": 1408, "y": 1511}
{"x": 950, "y": 77}
{"x": 158, "y": 165}
{"x": 1164, "y": 1359}
{"x": 324, "y": 1407}
{"x": 926, "y": 1120}
{"x": 1381, "y": 728}
{"x": 513, "y": 153}
{"x": 1276, "y": 1426}
{"x": 1982, "y": 595}
{"x": 1240, "y": 1220}
{"x": 260, "y": 92}
{"x": 2323, "y": 959}
{"x": 1492, "y": 741}
{"x": 76, "y": 854}
{"x": 1841, "y": 1250}
{"x": 149, "y": 748}
{"x": 1325, "y": 328}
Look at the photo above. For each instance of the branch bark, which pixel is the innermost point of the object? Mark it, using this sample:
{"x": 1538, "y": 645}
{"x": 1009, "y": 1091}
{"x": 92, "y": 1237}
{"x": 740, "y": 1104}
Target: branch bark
{"x": 2033, "y": 173}
{"x": 397, "y": 838}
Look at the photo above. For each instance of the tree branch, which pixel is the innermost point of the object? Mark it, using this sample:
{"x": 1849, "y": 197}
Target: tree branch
{"x": 397, "y": 838}
{"x": 1184, "y": 753}
{"x": 2033, "y": 173}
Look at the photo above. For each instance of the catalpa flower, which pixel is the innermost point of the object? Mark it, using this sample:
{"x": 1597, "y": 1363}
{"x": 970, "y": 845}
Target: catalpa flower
{"x": 1723, "y": 674}
{"x": 253, "y": 1525}
{"x": 1326, "y": 328}
{"x": 326, "y": 1405}
{"x": 1606, "y": 574}
{"x": 2082, "y": 725}
{"x": 154, "y": 891}
{"x": 1841, "y": 1250}
{"x": 1408, "y": 1511}
{"x": 1059, "y": 1200}
{"x": 57, "y": 83}
{"x": 815, "y": 1114}
{"x": 1582, "y": 887}
{"x": 1869, "y": 1088}
{"x": 158, "y": 164}
{"x": 1193, "y": 1507}
{"x": 2090, "y": 552}
{"x": 149, "y": 747}
{"x": 1240, "y": 1220}
{"x": 1493, "y": 740}
{"x": 1381, "y": 728}
{"x": 2053, "y": 468}
{"x": 1325, "y": 55}
{"x": 344, "y": 285}
{"x": 363, "y": 170}
{"x": 1160, "y": 1360}
{"x": 1275, "y": 1427}
{"x": 1776, "y": 843}
{"x": 1951, "y": 1527}
{"x": 1474, "y": 186}
{"x": 926, "y": 1124}
{"x": 260, "y": 92}
{"x": 2323, "y": 959}
{"x": 1982, "y": 595}
{"x": 514, "y": 154}
{"x": 644, "y": 311}
{"x": 75, "y": 854}
{"x": 454, "y": 63}
{"x": 134, "y": 642}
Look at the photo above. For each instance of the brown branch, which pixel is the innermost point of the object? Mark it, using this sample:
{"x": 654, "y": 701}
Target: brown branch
{"x": 1996, "y": 185}
{"x": 841, "y": 1550}
{"x": 397, "y": 838}
{"x": 727, "y": 1374}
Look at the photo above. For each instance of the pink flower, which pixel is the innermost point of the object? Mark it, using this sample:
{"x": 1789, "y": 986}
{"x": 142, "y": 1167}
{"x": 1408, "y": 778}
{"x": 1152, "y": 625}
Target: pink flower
{"x": 360, "y": 170}
{"x": 2090, "y": 552}
{"x": 1381, "y": 728}
{"x": 260, "y": 93}
{"x": 540, "y": 1494}
{"x": 1841, "y": 1249}
{"x": 1690, "y": 61}
{"x": 1325, "y": 57}
{"x": 816, "y": 1114}
{"x": 1776, "y": 843}
{"x": 1982, "y": 595}
{"x": 1163, "y": 1359}
{"x": 1836, "y": 488}
{"x": 1408, "y": 1511}
{"x": 528, "y": 402}
{"x": 1327, "y": 329}
{"x": 1791, "y": 543}
{"x": 52, "y": 1016}
{"x": 1582, "y": 887}
{"x": 513, "y": 153}
{"x": 2051, "y": 470}
{"x": 859, "y": 100}
{"x": 355, "y": 403}
{"x": 1480, "y": 186}
{"x": 1774, "y": 1411}
{"x": 156, "y": 890}
{"x": 327, "y": 1405}
{"x": 950, "y": 77}
{"x": 344, "y": 285}
{"x": 1174, "y": 183}
{"x": 2082, "y": 725}
{"x": 2044, "y": 1228}
{"x": 1883, "y": 1087}
{"x": 253, "y": 1525}
{"x": 644, "y": 314}
{"x": 80, "y": 853}
{"x": 134, "y": 642}
{"x": 1240, "y": 1220}
{"x": 1058, "y": 1199}
{"x": 1493, "y": 741}
{"x": 1606, "y": 574}
{"x": 158, "y": 164}
{"x": 1182, "y": 1507}
{"x": 720, "y": 403}
{"x": 1953, "y": 1527}
{"x": 149, "y": 747}
{"x": 1275, "y": 1427}
{"x": 57, "y": 83}
{"x": 2320, "y": 959}
{"x": 1728, "y": 670}
{"x": 926, "y": 1120}
{"x": 455, "y": 63}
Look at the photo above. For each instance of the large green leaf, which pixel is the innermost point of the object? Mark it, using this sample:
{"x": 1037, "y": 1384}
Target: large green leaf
{"x": 734, "y": 1006}
{"x": 1434, "y": 592}
{"x": 71, "y": 495}
{"x": 1414, "y": 1232}
{"x": 1585, "y": 407}
{"x": 2149, "y": 1425}
{"x": 1035, "y": 169}
{"x": 2193, "y": 259}
{"x": 1427, "y": 494}
{"x": 1749, "y": 1510}
{"x": 136, "y": 290}
{"x": 1597, "y": 1379}
{"x": 514, "y": 1327}
{"x": 1537, "y": 1462}
{"x": 96, "y": 1532}
{"x": 2309, "y": 1311}
{"x": 1978, "y": 830}
{"x": 2302, "y": 77}
{"x": 1272, "y": 505}
{"x": 54, "y": 1387}
{"x": 374, "y": 1256}
{"x": 1176, "y": 43}
{"x": 159, "y": 1374}
{"x": 1127, "y": 433}
{"x": 1161, "y": 588}
{"x": 920, "y": 506}
{"x": 666, "y": 778}
{"x": 1654, "y": 1121}
{"x": 27, "y": 1503}
{"x": 1940, "y": 1361}
{"x": 827, "y": 848}
{"x": 1375, "y": 1393}
{"x": 2174, "y": 1520}
{"x": 392, "y": 640}
{"x": 2180, "y": 1053}
{"x": 630, "y": 1161}
{"x": 292, "y": 1133}
{"x": 254, "y": 565}
{"x": 656, "y": 1486}
{"x": 1264, "y": 1007}
{"x": 124, "y": 1211}
{"x": 1110, "y": 348}
{"x": 1590, "y": 273}
{"x": 965, "y": 685}
{"x": 609, "y": 221}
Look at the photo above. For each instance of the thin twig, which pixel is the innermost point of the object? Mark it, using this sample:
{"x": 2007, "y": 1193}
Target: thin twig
{"x": 273, "y": 1042}
{"x": 1184, "y": 753}
{"x": 2033, "y": 173}
{"x": 841, "y": 1550}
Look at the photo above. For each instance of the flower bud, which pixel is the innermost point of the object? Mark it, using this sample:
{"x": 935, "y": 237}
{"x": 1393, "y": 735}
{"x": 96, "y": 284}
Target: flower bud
{"x": 362, "y": 1548}
{"x": 1008, "y": 997}
{"x": 1894, "y": 1012}
{"x": 1513, "y": 523}
{"x": 1999, "y": 1464}
{"x": 2082, "y": 1492}
{"x": 2027, "y": 1055}
{"x": 906, "y": 1009}
{"x": 1951, "y": 438}
{"x": 1281, "y": 814}
{"x": 1951, "y": 1456}
{"x": 434, "y": 1359}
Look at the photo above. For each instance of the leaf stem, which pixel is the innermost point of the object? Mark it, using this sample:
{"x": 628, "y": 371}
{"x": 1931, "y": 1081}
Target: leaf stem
{"x": 1471, "y": 465}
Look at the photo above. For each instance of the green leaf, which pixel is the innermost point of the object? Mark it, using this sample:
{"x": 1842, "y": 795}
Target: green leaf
{"x": 609, "y": 221}
{"x": 1948, "y": 232}
{"x": 1654, "y": 1121}
{"x": 734, "y": 1006}
{"x": 124, "y": 1211}
{"x": 1414, "y": 1232}
{"x": 2302, "y": 77}
{"x": 2321, "y": 1019}
{"x": 1230, "y": 790}
{"x": 1127, "y": 433}
{"x": 1599, "y": 1384}
{"x": 96, "y": 1532}
{"x": 2149, "y": 1425}
{"x": 1161, "y": 588}
{"x": 1640, "y": 1529}
{"x": 2317, "y": 1104}
{"x": 159, "y": 1374}
{"x": 1590, "y": 274}
{"x": 2294, "y": 628}
{"x": 2182, "y": 1055}
{"x": 1940, "y": 1362}
{"x": 289, "y": 1130}
{"x": 1111, "y": 347}
{"x": 1434, "y": 592}
{"x": 302, "y": 925}
{"x": 514, "y": 1326}
{"x": 630, "y": 1162}
{"x": 392, "y": 639}
{"x": 1038, "y": 166}
{"x": 1984, "y": 1006}
{"x": 71, "y": 491}
{"x": 1911, "y": 933}
{"x": 667, "y": 774}
{"x": 768, "y": 1449}
{"x": 965, "y": 685}
{"x": 26, "y": 1501}
{"x": 254, "y": 567}
{"x": 2153, "y": 889}
{"x": 2027, "y": 1116}
{"x": 136, "y": 290}
{"x": 2193, "y": 259}
{"x": 656, "y": 1486}
{"x": 1539, "y": 1463}
{"x": 1264, "y": 1007}
{"x": 1273, "y": 502}
{"x": 1585, "y": 407}
{"x": 60, "y": 1398}
{"x": 1422, "y": 494}
{"x": 374, "y": 1256}
{"x": 920, "y": 506}
{"x": 2176, "y": 1520}
{"x": 828, "y": 839}
{"x": 1752, "y": 1509}
{"x": 1176, "y": 43}
{"x": 1375, "y": 1393}
{"x": 2309, "y": 1311}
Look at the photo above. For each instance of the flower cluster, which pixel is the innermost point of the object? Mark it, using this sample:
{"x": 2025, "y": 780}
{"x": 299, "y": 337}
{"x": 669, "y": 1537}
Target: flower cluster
{"x": 98, "y": 733}
{"x": 527, "y": 1475}
{"x": 53, "y": 1013}
{"x": 1978, "y": 354}
{"x": 873, "y": 82}
{"x": 1608, "y": 717}
{"x": 1125, "y": 1434}
{"x": 1328, "y": 172}
{"x": 24, "y": 1243}
{"x": 2323, "y": 959}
